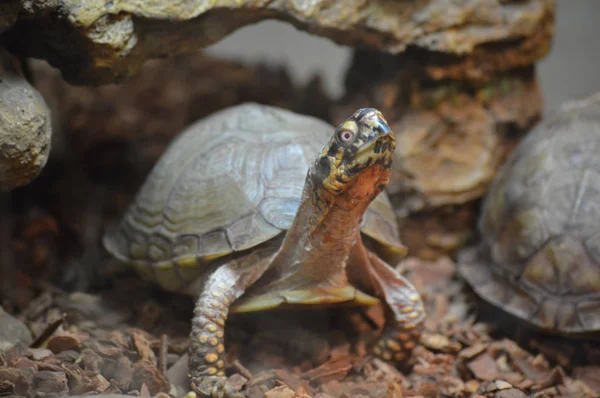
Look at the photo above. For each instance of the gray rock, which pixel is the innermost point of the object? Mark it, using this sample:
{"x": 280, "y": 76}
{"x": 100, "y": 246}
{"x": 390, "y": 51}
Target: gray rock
{"x": 12, "y": 331}
{"x": 25, "y": 129}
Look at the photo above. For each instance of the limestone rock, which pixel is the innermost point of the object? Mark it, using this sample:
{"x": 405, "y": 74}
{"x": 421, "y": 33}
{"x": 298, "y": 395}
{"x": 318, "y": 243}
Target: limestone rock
{"x": 25, "y": 129}
{"x": 100, "y": 41}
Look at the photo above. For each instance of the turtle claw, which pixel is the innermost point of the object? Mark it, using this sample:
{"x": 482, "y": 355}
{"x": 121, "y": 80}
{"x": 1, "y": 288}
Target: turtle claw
{"x": 405, "y": 308}
{"x": 214, "y": 387}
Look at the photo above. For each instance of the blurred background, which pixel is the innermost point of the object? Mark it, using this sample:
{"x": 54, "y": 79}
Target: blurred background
{"x": 571, "y": 69}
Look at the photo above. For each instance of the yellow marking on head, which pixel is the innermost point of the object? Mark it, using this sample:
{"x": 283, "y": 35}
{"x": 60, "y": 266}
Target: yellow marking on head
{"x": 221, "y": 286}
{"x": 377, "y": 350}
{"x": 213, "y": 341}
{"x": 220, "y": 334}
{"x": 386, "y": 355}
{"x": 350, "y": 125}
{"x": 404, "y": 336}
{"x": 216, "y": 294}
{"x": 407, "y": 310}
{"x": 409, "y": 345}
{"x": 332, "y": 185}
{"x": 203, "y": 338}
{"x": 399, "y": 356}
{"x": 380, "y": 115}
{"x": 338, "y": 158}
{"x": 393, "y": 345}
{"x": 211, "y": 357}
{"x": 414, "y": 315}
{"x": 225, "y": 300}
{"x": 220, "y": 348}
{"x": 211, "y": 371}
{"x": 211, "y": 327}
{"x": 220, "y": 322}
{"x": 186, "y": 261}
{"x": 409, "y": 326}
{"x": 221, "y": 373}
{"x": 220, "y": 364}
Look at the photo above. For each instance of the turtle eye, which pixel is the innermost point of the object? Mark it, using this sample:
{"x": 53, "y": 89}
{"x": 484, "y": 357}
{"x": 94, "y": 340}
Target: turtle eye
{"x": 346, "y": 135}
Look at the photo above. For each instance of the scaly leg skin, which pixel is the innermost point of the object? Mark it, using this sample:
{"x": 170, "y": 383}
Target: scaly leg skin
{"x": 403, "y": 302}
{"x": 207, "y": 349}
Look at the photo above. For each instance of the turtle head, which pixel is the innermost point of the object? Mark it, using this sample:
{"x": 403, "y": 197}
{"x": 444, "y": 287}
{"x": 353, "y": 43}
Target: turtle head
{"x": 360, "y": 148}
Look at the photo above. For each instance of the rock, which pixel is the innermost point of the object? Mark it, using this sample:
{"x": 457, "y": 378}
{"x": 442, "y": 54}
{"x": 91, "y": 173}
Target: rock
{"x": 109, "y": 41}
{"x": 25, "y": 129}
{"x": 12, "y": 331}
{"x": 452, "y": 137}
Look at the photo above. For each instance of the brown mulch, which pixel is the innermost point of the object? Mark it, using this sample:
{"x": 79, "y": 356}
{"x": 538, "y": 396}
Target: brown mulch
{"x": 132, "y": 339}
{"x": 73, "y": 322}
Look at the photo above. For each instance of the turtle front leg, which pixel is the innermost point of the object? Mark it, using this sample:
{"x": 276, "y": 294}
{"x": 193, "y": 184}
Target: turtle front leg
{"x": 207, "y": 348}
{"x": 405, "y": 309}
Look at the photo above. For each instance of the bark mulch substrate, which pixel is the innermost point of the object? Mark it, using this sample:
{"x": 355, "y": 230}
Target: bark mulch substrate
{"x": 131, "y": 339}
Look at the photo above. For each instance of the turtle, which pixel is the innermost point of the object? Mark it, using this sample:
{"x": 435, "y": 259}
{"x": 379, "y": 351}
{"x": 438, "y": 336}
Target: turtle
{"x": 257, "y": 208}
{"x": 538, "y": 250}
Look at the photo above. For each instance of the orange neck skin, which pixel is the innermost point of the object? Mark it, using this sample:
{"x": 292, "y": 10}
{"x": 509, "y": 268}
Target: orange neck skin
{"x": 326, "y": 228}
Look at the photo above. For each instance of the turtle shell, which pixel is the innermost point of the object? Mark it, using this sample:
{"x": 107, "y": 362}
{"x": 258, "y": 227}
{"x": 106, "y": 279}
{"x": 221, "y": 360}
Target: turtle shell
{"x": 226, "y": 184}
{"x": 539, "y": 257}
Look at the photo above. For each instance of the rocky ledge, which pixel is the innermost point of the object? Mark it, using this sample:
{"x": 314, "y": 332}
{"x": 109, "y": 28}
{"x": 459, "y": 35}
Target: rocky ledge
{"x": 101, "y": 41}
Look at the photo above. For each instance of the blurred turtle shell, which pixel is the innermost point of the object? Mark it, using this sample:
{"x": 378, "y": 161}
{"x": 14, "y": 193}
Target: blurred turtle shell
{"x": 539, "y": 254}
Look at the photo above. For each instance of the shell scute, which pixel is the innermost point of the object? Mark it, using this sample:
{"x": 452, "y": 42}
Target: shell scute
{"x": 186, "y": 246}
{"x": 243, "y": 232}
